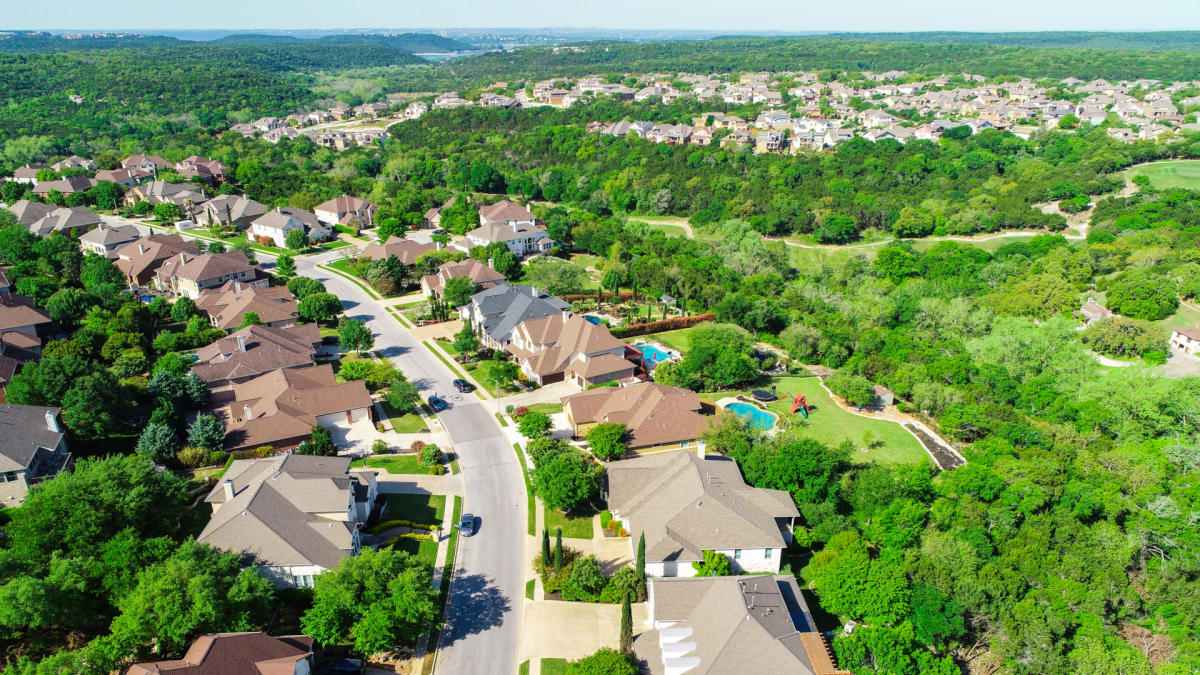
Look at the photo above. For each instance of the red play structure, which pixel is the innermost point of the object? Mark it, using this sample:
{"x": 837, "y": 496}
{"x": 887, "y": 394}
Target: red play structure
{"x": 799, "y": 402}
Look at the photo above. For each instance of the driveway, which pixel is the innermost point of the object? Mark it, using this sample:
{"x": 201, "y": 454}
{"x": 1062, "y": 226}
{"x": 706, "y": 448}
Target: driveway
{"x": 486, "y": 593}
{"x": 573, "y": 630}
{"x": 355, "y": 437}
{"x": 1181, "y": 364}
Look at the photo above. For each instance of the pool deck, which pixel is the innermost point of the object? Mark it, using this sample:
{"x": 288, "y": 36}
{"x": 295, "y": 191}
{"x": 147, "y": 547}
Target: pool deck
{"x": 724, "y": 403}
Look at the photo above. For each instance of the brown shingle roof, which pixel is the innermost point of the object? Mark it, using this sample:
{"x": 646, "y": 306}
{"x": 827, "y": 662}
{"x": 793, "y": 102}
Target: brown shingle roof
{"x": 406, "y": 250}
{"x": 234, "y": 654}
{"x": 18, "y": 311}
{"x": 139, "y": 258}
{"x": 654, "y": 414}
{"x": 205, "y": 266}
{"x": 254, "y": 350}
{"x": 228, "y": 303}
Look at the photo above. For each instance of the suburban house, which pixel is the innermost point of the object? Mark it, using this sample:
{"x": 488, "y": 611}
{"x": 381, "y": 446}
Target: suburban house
{"x": 280, "y": 408}
{"x": 496, "y": 311}
{"x": 1094, "y": 311}
{"x": 126, "y": 177}
{"x": 481, "y": 275}
{"x": 201, "y": 168}
{"x": 188, "y": 275}
{"x": 276, "y": 224}
{"x": 160, "y": 192}
{"x": 346, "y": 209}
{"x": 233, "y": 210}
{"x": 29, "y": 212}
{"x": 151, "y": 163}
{"x": 32, "y": 449}
{"x": 718, "y": 625}
{"x": 1186, "y": 338}
{"x": 687, "y": 503}
{"x": 237, "y": 654}
{"x": 65, "y": 186}
{"x": 569, "y": 347}
{"x": 19, "y": 314}
{"x": 27, "y": 174}
{"x": 514, "y": 226}
{"x": 139, "y": 260}
{"x": 105, "y": 239}
{"x": 433, "y": 217}
{"x": 65, "y": 219}
{"x": 406, "y": 251}
{"x": 292, "y": 516}
{"x": 255, "y": 350}
{"x": 17, "y": 349}
{"x": 656, "y": 416}
{"x": 227, "y": 305}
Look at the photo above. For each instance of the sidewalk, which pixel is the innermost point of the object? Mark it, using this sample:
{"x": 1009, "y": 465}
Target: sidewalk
{"x": 439, "y": 568}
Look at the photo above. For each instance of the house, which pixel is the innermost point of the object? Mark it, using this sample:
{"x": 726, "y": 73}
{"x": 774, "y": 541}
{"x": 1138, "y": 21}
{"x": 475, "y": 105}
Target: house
{"x": 656, "y": 416}
{"x": 237, "y": 654}
{"x": 346, "y": 209}
{"x": 718, "y": 625}
{"x": 433, "y": 217}
{"x": 292, "y": 516}
{"x": 201, "y": 168}
{"x": 74, "y": 162}
{"x": 255, "y": 350}
{"x": 280, "y": 408}
{"x": 275, "y": 225}
{"x": 569, "y": 347}
{"x": 494, "y": 312}
{"x": 513, "y": 225}
{"x": 139, "y": 260}
{"x": 29, "y": 212}
{"x": 65, "y": 219}
{"x": 66, "y": 186}
{"x": 1186, "y": 338}
{"x": 687, "y": 503}
{"x": 481, "y": 275}
{"x": 1094, "y": 311}
{"x": 27, "y": 174}
{"x": 17, "y": 349}
{"x": 32, "y": 449}
{"x": 236, "y": 211}
{"x": 186, "y": 274}
{"x": 227, "y": 305}
{"x": 406, "y": 251}
{"x": 149, "y": 163}
{"x": 159, "y": 192}
{"x": 882, "y": 397}
{"x": 415, "y": 109}
{"x": 126, "y": 177}
{"x": 105, "y": 239}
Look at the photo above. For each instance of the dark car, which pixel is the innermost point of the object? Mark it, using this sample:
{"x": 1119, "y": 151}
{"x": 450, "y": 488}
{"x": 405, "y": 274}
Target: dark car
{"x": 344, "y": 666}
{"x": 466, "y": 524}
{"x": 330, "y": 340}
{"x": 464, "y": 386}
{"x": 437, "y": 403}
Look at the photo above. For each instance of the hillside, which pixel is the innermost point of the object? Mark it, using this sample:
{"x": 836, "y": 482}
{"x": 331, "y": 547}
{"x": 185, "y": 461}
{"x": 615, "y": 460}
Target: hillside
{"x": 1143, "y": 41}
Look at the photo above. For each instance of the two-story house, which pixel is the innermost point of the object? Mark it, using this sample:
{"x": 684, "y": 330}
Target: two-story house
{"x": 514, "y": 226}
{"x": 496, "y": 311}
{"x": 237, "y": 653}
{"x": 188, "y": 275}
{"x": 32, "y": 449}
{"x": 105, "y": 239}
{"x": 569, "y": 347}
{"x": 276, "y": 224}
{"x": 346, "y": 209}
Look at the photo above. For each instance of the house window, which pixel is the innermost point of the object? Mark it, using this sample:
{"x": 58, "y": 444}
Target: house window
{"x": 683, "y": 444}
{"x": 737, "y": 554}
{"x": 769, "y": 552}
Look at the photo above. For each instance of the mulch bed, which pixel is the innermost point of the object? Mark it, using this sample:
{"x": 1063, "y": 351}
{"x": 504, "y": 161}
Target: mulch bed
{"x": 941, "y": 454}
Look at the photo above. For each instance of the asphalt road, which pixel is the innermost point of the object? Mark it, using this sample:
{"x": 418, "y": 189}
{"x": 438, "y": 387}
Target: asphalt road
{"x": 488, "y": 583}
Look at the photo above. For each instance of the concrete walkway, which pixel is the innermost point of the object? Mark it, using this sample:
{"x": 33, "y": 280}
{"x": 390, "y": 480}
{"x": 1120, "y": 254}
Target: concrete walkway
{"x": 551, "y": 393}
{"x": 439, "y": 565}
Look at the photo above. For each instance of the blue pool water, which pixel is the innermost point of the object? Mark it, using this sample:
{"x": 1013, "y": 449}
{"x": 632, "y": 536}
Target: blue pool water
{"x": 754, "y": 415}
{"x": 652, "y": 355}
{"x": 594, "y": 320}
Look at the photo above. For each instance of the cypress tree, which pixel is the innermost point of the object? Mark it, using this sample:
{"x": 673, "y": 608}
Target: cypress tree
{"x": 641, "y": 567}
{"x": 558, "y": 552}
{"x": 545, "y": 546}
{"x": 626, "y": 626}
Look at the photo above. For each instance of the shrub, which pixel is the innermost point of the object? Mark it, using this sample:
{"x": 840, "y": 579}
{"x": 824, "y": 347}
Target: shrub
{"x": 552, "y": 582}
{"x": 605, "y": 519}
{"x": 417, "y": 446}
{"x": 193, "y": 456}
{"x": 519, "y": 412}
{"x": 624, "y": 582}
{"x": 380, "y": 447}
{"x": 1155, "y": 357}
{"x": 431, "y": 455}
{"x": 674, "y": 323}
{"x": 585, "y": 582}
{"x": 390, "y": 524}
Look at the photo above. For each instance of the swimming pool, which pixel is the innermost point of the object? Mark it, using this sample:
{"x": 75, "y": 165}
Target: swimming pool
{"x": 652, "y": 355}
{"x": 594, "y": 320}
{"x": 753, "y": 414}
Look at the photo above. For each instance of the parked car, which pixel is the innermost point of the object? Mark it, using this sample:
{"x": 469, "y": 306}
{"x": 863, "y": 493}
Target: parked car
{"x": 344, "y": 666}
{"x": 464, "y": 386}
{"x": 466, "y": 524}
{"x": 437, "y": 403}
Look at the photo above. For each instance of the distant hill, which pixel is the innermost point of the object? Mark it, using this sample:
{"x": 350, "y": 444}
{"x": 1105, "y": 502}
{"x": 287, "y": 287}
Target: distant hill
{"x": 31, "y": 42}
{"x": 405, "y": 42}
{"x": 1184, "y": 40}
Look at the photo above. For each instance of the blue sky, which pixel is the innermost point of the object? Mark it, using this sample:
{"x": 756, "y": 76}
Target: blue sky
{"x": 788, "y": 15}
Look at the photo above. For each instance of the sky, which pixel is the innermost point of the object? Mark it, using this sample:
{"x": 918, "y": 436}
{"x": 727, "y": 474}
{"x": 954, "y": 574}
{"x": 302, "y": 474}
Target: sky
{"x": 789, "y": 15}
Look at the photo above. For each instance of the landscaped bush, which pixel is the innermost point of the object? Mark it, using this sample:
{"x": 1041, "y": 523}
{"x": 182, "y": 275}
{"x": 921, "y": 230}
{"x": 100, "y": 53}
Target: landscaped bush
{"x": 519, "y": 412}
{"x": 380, "y": 447}
{"x": 431, "y": 455}
{"x": 674, "y": 323}
{"x": 399, "y": 522}
{"x": 551, "y": 581}
{"x": 417, "y": 446}
{"x": 624, "y": 582}
{"x": 585, "y": 581}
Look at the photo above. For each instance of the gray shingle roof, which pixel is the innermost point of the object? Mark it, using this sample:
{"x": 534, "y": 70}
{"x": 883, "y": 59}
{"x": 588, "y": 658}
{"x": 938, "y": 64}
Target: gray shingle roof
{"x": 23, "y": 429}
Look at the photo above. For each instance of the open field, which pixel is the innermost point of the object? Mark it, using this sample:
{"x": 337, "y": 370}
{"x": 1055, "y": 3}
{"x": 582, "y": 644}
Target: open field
{"x": 1172, "y": 174}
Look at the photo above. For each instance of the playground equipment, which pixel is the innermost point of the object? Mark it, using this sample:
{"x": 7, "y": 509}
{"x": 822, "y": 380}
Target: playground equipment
{"x": 799, "y": 402}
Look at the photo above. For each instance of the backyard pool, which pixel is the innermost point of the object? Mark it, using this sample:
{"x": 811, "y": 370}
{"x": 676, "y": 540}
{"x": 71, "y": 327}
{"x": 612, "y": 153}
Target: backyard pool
{"x": 653, "y": 355}
{"x": 754, "y": 415}
{"x": 594, "y": 320}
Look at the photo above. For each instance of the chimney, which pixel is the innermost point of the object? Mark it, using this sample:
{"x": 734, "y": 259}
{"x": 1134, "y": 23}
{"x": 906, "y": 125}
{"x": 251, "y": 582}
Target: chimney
{"x": 533, "y": 290}
{"x": 141, "y": 248}
{"x": 516, "y": 228}
{"x": 52, "y": 422}
{"x": 490, "y": 260}
{"x": 241, "y": 345}
{"x": 237, "y": 286}
{"x": 227, "y": 484}
{"x": 183, "y": 257}
{"x": 247, "y": 412}
{"x": 701, "y": 450}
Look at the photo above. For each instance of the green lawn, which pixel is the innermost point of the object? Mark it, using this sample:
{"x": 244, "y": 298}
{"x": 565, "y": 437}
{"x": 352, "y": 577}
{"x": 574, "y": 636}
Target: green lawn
{"x": 529, "y": 587}
{"x": 548, "y": 408}
{"x": 425, "y": 509}
{"x": 406, "y": 423}
{"x": 523, "y": 669}
{"x": 1186, "y": 316}
{"x": 425, "y": 551}
{"x": 1172, "y": 174}
{"x": 481, "y": 371}
{"x": 454, "y": 367}
{"x": 404, "y": 464}
{"x": 679, "y": 340}
{"x": 831, "y": 424}
{"x": 554, "y": 666}
{"x": 586, "y": 260}
{"x": 666, "y": 228}
{"x": 573, "y": 527}
{"x": 530, "y": 513}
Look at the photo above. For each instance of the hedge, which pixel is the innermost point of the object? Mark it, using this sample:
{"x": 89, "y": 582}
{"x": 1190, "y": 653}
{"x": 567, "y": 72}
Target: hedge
{"x": 674, "y": 323}
{"x": 389, "y": 524}
{"x": 607, "y": 295}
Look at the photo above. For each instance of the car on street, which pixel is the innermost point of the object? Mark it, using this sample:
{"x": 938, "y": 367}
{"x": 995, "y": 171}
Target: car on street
{"x": 466, "y": 524}
{"x": 463, "y": 386}
{"x": 438, "y": 403}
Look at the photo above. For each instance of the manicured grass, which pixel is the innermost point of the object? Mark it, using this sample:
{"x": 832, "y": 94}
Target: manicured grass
{"x": 351, "y": 278}
{"x": 554, "y": 667}
{"x": 586, "y": 260}
{"x": 425, "y": 509}
{"x": 1173, "y": 174}
{"x": 548, "y": 408}
{"x": 832, "y": 425}
{"x": 403, "y": 423}
{"x": 666, "y": 228}
{"x": 679, "y": 340}
{"x": 529, "y": 588}
{"x": 438, "y": 353}
{"x": 481, "y": 371}
{"x": 425, "y": 551}
{"x": 402, "y": 464}
{"x": 530, "y": 503}
{"x": 336, "y": 244}
{"x": 573, "y": 527}
{"x": 523, "y": 669}
{"x": 500, "y": 418}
